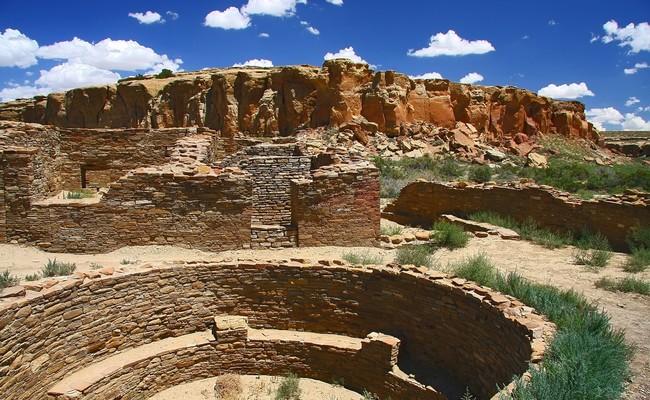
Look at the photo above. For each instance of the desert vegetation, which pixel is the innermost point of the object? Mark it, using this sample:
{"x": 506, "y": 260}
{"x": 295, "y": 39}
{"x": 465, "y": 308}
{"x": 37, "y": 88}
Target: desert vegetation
{"x": 587, "y": 359}
{"x": 7, "y": 279}
{"x": 52, "y": 268}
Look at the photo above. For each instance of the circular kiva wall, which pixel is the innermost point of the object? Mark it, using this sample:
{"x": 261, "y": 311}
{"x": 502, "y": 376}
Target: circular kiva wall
{"x": 134, "y": 333}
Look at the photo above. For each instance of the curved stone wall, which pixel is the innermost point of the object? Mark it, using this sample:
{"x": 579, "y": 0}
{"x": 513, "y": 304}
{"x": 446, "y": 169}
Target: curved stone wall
{"x": 479, "y": 337}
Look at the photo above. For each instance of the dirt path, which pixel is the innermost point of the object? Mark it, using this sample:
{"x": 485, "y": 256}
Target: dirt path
{"x": 627, "y": 311}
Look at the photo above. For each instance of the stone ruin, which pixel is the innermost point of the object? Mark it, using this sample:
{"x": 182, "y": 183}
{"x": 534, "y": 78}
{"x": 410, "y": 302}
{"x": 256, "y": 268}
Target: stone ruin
{"x": 180, "y": 186}
{"x": 132, "y": 332}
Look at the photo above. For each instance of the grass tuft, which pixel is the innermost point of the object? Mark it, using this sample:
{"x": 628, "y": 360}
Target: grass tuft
{"x": 289, "y": 388}
{"x": 593, "y": 250}
{"x": 528, "y": 230}
{"x": 629, "y": 284}
{"x": 419, "y": 254}
{"x": 6, "y": 279}
{"x": 363, "y": 258}
{"x": 450, "y": 235}
{"x": 587, "y": 358}
{"x": 391, "y": 230}
{"x": 57, "y": 268}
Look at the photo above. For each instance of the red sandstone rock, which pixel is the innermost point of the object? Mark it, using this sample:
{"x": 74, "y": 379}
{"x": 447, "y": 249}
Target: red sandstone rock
{"x": 277, "y": 101}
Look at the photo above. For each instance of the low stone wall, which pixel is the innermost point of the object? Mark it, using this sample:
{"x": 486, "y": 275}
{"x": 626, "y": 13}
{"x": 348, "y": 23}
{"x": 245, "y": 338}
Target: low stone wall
{"x": 148, "y": 206}
{"x": 60, "y": 326}
{"x": 337, "y": 206}
{"x": 421, "y": 203}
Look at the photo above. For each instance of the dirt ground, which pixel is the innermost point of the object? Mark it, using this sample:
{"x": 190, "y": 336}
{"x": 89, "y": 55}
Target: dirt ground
{"x": 630, "y": 312}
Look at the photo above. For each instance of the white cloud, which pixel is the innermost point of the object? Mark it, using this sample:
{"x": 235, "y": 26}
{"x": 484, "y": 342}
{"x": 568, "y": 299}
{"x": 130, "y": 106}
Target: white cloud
{"x": 635, "y": 123}
{"x": 313, "y": 30}
{"x": 632, "y": 101}
{"x": 123, "y": 55}
{"x": 525, "y": 37}
{"x": 150, "y": 17}
{"x": 256, "y": 63}
{"x": 230, "y": 18}
{"x": 73, "y": 74}
{"x": 276, "y": 8}
{"x": 20, "y": 92}
{"x": 643, "y": 109}
{"x": 594, "y": 38}
{"x": 472, "y": 77}
{"x": 428, "y": 75}
{"x": 264, "y": 35}
{"x": 630, "y": 71}
{"x": 336, "y": 2}
{"x": 304, "y": 23}
{"x": 450, "y": 44}
{"x": 600, "y": 116}
{"x": 637, "y": 37}
{"x": 172, "y": 15}
{"x": 570, "y": 91}
{"x": 348, "y": 53}
{"x": 17, "y": 50}
{"x": 637, "y": 67}
{"x": 552, "y": 22}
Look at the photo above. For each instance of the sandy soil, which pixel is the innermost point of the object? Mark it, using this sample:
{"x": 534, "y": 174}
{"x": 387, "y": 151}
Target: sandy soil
{"x": 258, "y": 387}
{"x": 630, "y": 312}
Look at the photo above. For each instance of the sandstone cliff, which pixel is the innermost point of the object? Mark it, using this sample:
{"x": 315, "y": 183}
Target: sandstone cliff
{"x": 277, "y": 101}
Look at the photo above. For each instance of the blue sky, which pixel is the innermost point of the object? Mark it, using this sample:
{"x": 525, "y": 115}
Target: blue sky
{"x": 595, "y": 52}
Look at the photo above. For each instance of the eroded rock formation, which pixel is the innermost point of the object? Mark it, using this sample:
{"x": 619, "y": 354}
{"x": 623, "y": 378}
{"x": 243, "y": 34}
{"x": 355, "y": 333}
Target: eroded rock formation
{"x": 277, "y": 101}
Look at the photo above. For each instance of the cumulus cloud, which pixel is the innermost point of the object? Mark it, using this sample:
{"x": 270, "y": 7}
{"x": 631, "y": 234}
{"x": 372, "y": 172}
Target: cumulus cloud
{"x": 347, "y": 53}
{"x": 313, "y": 30}
{"x": 428, "y": 75}
{"x": 256, "y": 63}
{"x": 472, "y": 77}
{"x": 264, "y": 35}
{"x": 570, "y": 91}
{"x": 231, "y": 18}
{"x": 276, "y": 8}
{"x": 635, "y": 123}
{"x": 150, "y": 17}
{"x": 637, "y": 67}
{"x": 632, "y": 101}
{"x": 336, "y": 2}
{"x": 450, "y": 44}
{"x": 172, "y": 15}
{"x": 17, "y": 50}
{"x": 637, "y": 37}
{"x": 73, "y": 74}
{"x": 21, "y": 92}
{"x": 123, "y": 55}
{"x": 644, "y": 109}
{"x": 611, "y": 116}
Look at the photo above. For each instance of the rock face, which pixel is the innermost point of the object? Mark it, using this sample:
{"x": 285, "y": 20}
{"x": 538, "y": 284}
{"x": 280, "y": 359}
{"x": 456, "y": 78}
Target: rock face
{"x": 277, "y": 101}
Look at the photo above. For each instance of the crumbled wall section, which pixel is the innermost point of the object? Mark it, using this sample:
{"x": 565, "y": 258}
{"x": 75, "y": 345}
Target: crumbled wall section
{"x": 337, "y": 206}
{"x": 148, "y": 206}
{"x": 482, "y": 338}
{"x": 420, "y": 203}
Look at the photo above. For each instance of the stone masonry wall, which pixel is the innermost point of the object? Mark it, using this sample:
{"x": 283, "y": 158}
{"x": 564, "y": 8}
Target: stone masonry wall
{"x": 148, "y": 206}
{"x": 481, "y": 338}
{"x": 337, "y": 206}
{"x": 421, "y": 203}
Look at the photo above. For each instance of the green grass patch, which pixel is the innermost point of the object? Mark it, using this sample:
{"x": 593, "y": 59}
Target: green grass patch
{"x": 480, "y": 174}
{"x": 363, "y": 258}
{"x": 33, "y": 277}
{"x": 528, "y": 230}
{"x": 79, "y": 195}
{"x": 586, "y": 359}
{"x": 629, "y": 284}
{"x": 639, "y": 242}
{"x": 57, "y": 268}
{"x": 391, "y": 230}
{"x": 593, "y": 250}
{"x": 289, "y": 388}
{"x": 6, "y": 279}
{"x": 638, "y": 261}
{"x": 449, "y": 235}
{"x": 418, "y": 254}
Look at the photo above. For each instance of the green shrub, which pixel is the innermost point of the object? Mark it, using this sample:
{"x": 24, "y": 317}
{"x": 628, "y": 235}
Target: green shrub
{"x": 95, "y": 266}
{"x": 586, "y": 359}
{"x": 79, "y": 195}
{"x": 450, "y": 235}
{"x": 392, "y": 230}
{"x": 468, "y": 395}
{"x": 529, "y": 229}
{"x": 165, "y": 73}
{"x": 480, "y": 174}
{"x": 57, "y": 268}
{"x": 638, "y": 261}
{"x": 593, "y": 250}
{"x": 363, "y": 258}
{"x": 419, "y": 254}
{"x": 627, "y": 285}
{"x": 125, "y": 261}
{"x": 33, "y": 277}
{"x": 369, "y": 396}
{"x": 6, "y": 279}
{"x": 289, "y": 388}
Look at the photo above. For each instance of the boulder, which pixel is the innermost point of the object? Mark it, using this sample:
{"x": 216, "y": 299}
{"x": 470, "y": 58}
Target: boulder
{"x": 536, "y": 160}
